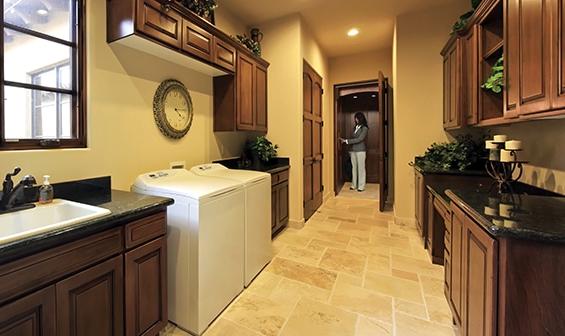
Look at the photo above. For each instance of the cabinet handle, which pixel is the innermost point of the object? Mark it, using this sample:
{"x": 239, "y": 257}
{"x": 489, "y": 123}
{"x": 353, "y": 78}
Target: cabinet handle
{"x": 166, "y": 5}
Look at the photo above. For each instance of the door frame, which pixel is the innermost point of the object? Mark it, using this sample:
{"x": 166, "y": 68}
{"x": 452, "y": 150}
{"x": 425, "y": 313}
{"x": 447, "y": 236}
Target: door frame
{"x": 360, "y": 85}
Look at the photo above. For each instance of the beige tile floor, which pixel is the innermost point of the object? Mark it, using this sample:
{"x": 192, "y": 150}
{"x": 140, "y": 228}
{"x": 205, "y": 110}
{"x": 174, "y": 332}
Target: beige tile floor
{"x": 349, "y": 272}
{"x": 371, "y": 191}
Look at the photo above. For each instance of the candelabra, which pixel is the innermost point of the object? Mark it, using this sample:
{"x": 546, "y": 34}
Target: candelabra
{"x": 505, "y": 170}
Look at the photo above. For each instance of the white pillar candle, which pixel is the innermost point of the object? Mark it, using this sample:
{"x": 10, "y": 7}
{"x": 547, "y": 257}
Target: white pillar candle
{"x": 500, "y": 138}
{"x": 489, "y": 144}
{"x": 490, "y": 211}
{"x": 506, "y": 210}
{"x": 507, "y": 156}
{"x": 494, "y": 155}
{"x": 513, "y": 145}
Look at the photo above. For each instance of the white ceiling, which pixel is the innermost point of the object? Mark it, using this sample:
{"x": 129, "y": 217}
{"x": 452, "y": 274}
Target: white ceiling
{"x": 330, "y": 20}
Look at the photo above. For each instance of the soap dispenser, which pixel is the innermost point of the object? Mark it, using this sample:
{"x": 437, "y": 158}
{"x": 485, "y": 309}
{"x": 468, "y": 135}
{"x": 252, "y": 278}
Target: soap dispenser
{"x": 46, "y": 191}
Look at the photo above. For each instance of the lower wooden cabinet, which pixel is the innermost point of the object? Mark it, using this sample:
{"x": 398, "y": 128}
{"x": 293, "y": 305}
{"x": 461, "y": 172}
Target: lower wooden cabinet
{"x": 33, "y": 315}
{"x": 83, "y": 293}
{"x": 145, "y": 287}
{"x": 90, "y": 303}
{"x": 420, "y": 205}
{"x": 279, "y": 200}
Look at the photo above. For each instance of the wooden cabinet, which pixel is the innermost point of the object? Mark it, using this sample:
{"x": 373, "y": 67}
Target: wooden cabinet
{"x": 470, "y": 77}
{"x": 280, "y": 201}
{"x": 473, "y": 283}
{"x": 197, "y": 41}
{"x": 145, "y": 289}
{"x": 420, "y": 205}
{"x": 78, "y": 288}
{"x": 155, "y": 20}
{"x": 224, "y": 54}
{"x": 90, "y": 303}
{"x": 33, "y": 315}
{"x": 437, "y": 213}
{"x": 452, "y": 95}
{"x": 240, "y": 100}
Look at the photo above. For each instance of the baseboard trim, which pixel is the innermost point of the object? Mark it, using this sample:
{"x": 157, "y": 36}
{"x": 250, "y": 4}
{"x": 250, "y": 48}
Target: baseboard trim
{"x": 404, "y": 221}
{"x": 296, "y": 224}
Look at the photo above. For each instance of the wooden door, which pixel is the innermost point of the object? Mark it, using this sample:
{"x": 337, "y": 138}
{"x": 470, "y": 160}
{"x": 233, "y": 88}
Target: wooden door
{"x": 340, "y": 132}
{"x": 456, "y": 251}
{"x": 470, "y": 74}
{"x": 146, "y": 289}
{"x": 385, "y": 132}
{"x": 155, "y": 20}
{"x": 527, "y": 64}
{"x": 260, "y": 98}
{"x": 197, "y": 41}
{"x": 33, "y": 315}
{"x": 312, "y": 131}
{"x": 558, "y": 43}
{"x": 245, "y": 93}
{"x": 90, "y": 303}
{"x": 479, "y": 281}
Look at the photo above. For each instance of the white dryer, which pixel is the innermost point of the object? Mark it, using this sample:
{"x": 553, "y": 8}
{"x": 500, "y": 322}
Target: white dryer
{"x": 258, "y": 250}
{"x": 205, "y": 251}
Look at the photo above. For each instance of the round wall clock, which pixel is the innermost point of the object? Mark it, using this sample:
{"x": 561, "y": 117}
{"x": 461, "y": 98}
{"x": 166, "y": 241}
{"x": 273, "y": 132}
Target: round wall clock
{"x": 172, "y": 109}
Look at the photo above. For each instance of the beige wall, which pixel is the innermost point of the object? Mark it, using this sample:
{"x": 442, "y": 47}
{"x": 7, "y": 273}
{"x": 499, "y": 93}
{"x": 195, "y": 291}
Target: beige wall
{"x": 123, "y": 140}
{"x": 543, "y": 147}
{"x": 418, "y": 88}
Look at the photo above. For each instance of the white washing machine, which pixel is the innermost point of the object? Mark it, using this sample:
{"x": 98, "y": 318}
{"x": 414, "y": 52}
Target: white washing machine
{"x": 258, "y": 251}
{"x": 204, "y": 243}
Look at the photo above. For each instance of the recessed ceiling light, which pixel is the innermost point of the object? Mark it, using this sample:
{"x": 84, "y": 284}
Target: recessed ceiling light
{"x": 374, "y": 96}
{"x": 354, "y": 97}
{"x": 42, "y": 12}
{"x": 353, "y": 32}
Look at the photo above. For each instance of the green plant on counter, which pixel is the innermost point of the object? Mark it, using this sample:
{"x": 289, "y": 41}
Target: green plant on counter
{"x": 462, "y": 154}
{"x": 264, "y": 149}
{"x": 495, "y": 82}
{"x": 203, "y": 8}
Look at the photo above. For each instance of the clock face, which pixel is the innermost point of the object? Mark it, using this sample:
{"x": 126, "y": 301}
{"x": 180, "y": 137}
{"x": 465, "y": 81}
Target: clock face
{"x": 172, "y": 109}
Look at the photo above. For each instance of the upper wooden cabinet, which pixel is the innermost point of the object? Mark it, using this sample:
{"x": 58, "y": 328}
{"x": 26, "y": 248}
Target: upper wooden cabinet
{"x": 240, "y": 100}
{"x": 470, "y": 76}
{"x": 452, "y": 80}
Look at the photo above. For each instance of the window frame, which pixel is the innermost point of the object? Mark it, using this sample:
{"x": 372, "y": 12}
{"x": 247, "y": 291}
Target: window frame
{"x": 79, "y": 128}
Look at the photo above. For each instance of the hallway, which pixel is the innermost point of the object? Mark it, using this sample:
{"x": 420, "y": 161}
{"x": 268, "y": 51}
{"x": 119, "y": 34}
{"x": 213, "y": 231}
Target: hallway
{"x": 371, "y": 192}
{"x": 349, "y": 272}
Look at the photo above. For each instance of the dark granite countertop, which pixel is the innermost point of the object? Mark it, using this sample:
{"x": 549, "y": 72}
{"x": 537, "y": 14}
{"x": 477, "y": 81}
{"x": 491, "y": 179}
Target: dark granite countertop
{"x": 450, "y": 172}
{"x": 530, "y": 213}
{"x": 125, "y": 207}
{"x": 276, "y": 165}
{"x": 439, "y": 186}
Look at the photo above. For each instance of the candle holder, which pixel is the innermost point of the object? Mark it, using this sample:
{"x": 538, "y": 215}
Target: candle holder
{"x": 503, "y": 172}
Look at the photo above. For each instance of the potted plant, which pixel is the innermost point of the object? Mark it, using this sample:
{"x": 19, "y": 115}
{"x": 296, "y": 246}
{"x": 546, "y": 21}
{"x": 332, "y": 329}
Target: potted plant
{"x": 262, "y": 150}
{"x": 495, "y": 82}
{"x": 203, "y": 8}
{"x": 462, "y": 154}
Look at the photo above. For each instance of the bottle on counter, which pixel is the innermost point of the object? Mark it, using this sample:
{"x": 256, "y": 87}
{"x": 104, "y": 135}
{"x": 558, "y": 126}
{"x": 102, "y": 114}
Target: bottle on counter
{"x": 46, "y": 191}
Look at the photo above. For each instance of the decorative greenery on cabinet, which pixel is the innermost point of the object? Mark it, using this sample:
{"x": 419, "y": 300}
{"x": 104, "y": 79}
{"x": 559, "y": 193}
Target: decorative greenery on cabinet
{"x": 464, "y": 153}
{"x": 495, "y": 82}
{"x": 204, "y": 8}
{"x": 263, "y": 149}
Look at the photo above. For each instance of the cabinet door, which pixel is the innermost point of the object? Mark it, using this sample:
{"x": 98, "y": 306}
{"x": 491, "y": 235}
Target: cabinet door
{"x": 451, "y": 86}
{"x": 197, "y": 41}
{"x": 456, "y": 252}
{"x": 479, "y": 283}
{"x": 260, "y": 98}
{"x": 419, "y": 205}
{"x": 224, "y": 54}
{"x": 470, "y": 74}
{"x": 90, "y": 303}
{"x": 146, "y": 289}
{"x": 159, "y": 22}
{"x": 558, "y": 43}
{"x": 34, "y": 315}
{"x": 282, "y": 206}
{"x": 245, "y": 93}
{"x": 527, "y": 60}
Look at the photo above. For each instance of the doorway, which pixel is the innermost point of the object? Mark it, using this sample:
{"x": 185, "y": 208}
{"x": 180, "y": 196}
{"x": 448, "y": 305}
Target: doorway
{"x": 312, "y": 132}
{"x": 372, "y": 99}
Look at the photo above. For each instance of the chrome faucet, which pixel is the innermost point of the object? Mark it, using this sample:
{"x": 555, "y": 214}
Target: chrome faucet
{"x": 13, "y": 198}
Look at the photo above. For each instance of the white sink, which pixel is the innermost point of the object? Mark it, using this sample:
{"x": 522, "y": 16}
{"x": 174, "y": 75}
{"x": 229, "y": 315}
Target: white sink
{"x": 43, "y": 218}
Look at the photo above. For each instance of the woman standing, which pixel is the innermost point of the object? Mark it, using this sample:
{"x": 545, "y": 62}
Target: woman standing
{"x": 358, "y": 152}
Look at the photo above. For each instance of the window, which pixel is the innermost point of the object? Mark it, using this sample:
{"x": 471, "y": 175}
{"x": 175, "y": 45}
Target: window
{"x": 42, "y": 76}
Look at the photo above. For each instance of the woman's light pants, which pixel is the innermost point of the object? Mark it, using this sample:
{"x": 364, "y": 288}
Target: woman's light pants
{"x": 359, "y": 177}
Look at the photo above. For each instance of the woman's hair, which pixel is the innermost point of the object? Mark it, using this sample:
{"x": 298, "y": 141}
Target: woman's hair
{"x": 361, "y": 118}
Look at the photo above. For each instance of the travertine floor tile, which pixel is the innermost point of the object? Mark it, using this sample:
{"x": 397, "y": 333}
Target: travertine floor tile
{"x": 326, "y": 243}
{"x": 264, "y": 284}
{"x": 260, "y": 314}
{"x": 399, "y": 288}
{"x": 304, "y": 273}
{"x": 379, "y": 263}
{"x": 369, "y": 327}
{"x": 421, "y": 267}
{"x": 405, "y": 275}
{"x": 291, "y": 237}
{"x": 433, "y": 286}
{"x": 407, "y": 325}
{"x": 410, "y": 308}
{"x": 343, "y": 261}
{"x": 350, "y": 279}
{"x": 292, "y": 291}
{"x": 439, "y": 310}
{"x": 315, "y": 318}
{"x": 223, "y": 327}
{"x": 309, "y": 255}
{"x": 362, "y": 301}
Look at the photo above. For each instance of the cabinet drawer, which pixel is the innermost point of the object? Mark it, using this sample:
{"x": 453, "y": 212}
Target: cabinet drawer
{"x": 146, "y": 229}
{"x": 40, "y": 269}
{"x": 197, "y": 41}
{"x": 224, "y": 54}
{"x": 155, "y": 20}
{"x": 280, "y": 177}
